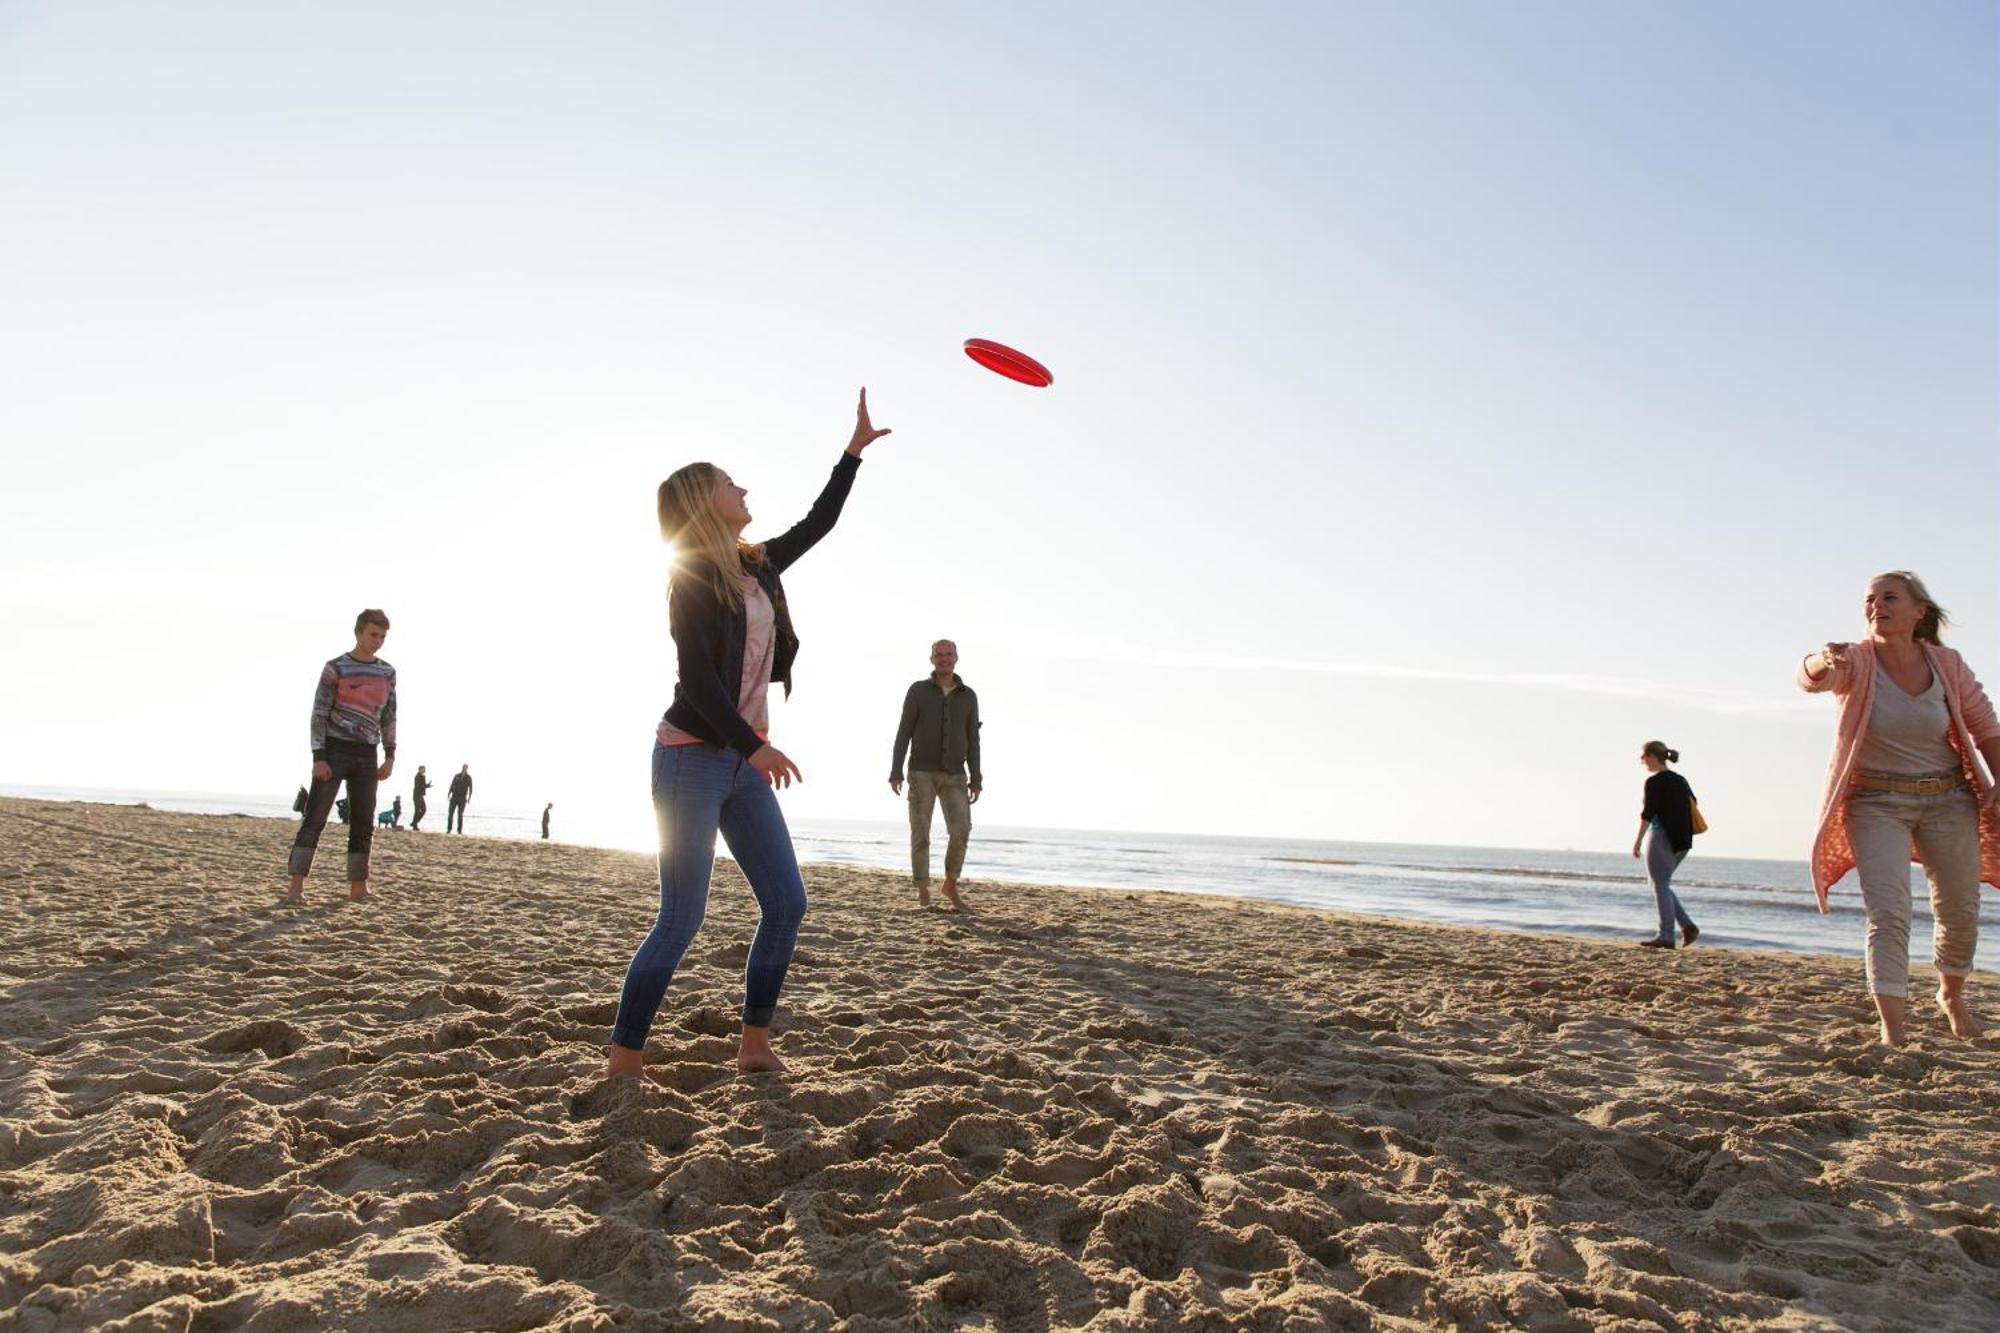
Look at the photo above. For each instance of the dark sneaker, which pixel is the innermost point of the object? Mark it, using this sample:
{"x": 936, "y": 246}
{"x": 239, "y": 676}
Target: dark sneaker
{"x": 1689, "y": 934}
{"x": 1656, "y": 943}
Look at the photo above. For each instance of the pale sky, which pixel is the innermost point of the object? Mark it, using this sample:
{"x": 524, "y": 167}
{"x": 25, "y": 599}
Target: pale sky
{"x": 1449, "y": 398}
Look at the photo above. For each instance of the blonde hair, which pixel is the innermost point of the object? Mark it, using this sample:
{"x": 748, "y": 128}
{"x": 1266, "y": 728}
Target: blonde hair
{"x": 1931, "y": 627}
{"x": 703, "y": 544}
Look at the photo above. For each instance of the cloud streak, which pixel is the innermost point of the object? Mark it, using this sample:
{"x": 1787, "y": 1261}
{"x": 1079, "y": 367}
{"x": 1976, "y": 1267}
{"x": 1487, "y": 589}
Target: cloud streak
{"x": 1732, "y": 703}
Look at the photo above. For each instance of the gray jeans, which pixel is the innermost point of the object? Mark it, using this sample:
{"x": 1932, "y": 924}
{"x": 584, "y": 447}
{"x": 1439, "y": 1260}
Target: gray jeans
{"x": 948, "y": 790}
{"x": 1882, "y": 826}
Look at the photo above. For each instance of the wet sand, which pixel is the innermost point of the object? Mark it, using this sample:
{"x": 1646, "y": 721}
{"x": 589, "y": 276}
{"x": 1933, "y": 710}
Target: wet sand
{"x": 1071, "y": 1107}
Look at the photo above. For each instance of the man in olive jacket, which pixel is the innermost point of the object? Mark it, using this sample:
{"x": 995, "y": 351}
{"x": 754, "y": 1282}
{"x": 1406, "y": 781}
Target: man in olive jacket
{"x": 940, "y": 733}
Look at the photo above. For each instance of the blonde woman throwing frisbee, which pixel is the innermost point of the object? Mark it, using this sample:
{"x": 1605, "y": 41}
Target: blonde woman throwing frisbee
{"x": 714, "y": 767}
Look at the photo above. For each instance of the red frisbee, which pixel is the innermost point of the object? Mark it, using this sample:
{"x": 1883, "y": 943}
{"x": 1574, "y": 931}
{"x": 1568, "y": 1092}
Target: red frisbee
{"x": 1004, "y": 360}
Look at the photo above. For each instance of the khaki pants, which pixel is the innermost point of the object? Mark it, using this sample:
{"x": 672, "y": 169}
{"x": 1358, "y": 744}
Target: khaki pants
{"x": 948, "y": 790}
{"x": 1945, "y": 827}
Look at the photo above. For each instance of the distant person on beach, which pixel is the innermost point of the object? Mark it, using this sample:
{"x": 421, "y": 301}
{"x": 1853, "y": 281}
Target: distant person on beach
{"x": 1906, "y": 784}
{"x": 418, "y": 805}
{"x": 545, "y": 820}
{"x": 939, "y": 731}
{"x": 353, "y": 709}
{"x": 299, "y": 802}
{"x": 713, "y": 764}
{"x": 393, "y": 816}
{"x": 1666, "y": 827}
{"x": 340, "y": 809}
{"x": 456, "y": 797}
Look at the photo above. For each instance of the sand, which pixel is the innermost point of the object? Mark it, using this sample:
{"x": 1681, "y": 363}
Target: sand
{"x": 1072, "y": 1108}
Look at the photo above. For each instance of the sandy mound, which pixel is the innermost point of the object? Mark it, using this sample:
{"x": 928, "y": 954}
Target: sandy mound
{"x": 1071, "y": 1108}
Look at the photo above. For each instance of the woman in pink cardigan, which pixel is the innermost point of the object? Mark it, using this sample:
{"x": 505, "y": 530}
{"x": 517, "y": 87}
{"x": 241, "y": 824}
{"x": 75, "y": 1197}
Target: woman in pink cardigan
{"x": 1914, "y": 724}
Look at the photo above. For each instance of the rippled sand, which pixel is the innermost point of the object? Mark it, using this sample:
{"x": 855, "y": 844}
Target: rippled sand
{"x": 1074, "y": 1107}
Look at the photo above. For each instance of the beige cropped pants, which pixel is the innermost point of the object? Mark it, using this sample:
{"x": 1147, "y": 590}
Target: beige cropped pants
{"x": 948, "y": 790}
{"x": 1945, "y": 830}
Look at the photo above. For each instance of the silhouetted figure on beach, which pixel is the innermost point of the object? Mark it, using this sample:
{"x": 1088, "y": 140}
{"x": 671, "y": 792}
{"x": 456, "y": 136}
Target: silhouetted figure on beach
{"x": 1667, "y": 829}
{"x": 457, "y": 796}
{"x": 939, "y": 730}
{"x": 545, "y": 820}
{"x": 299, "y": 802}
{"x": 393, "y": 816}
{"x": 418, "y": 805}
{"x": 353, "y": 709}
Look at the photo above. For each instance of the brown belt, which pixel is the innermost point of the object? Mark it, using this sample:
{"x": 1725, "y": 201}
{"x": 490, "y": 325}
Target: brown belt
{"x": 1908, "y": 786}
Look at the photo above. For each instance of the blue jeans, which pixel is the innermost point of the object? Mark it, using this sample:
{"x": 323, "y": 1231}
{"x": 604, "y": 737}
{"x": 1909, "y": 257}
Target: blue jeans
{"x": 698, "y": 790}
{"x": 1661, "y": 862}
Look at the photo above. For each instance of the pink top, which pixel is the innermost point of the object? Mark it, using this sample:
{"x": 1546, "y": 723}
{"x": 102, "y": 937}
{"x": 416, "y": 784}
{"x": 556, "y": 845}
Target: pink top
{"x": 1972, "y": 723}
{"x": 753, "y": 697}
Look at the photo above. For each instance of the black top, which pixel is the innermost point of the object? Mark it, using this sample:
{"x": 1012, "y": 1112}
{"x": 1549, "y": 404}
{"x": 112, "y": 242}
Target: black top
{"x": 461, "y": 786}
{"x": 708, "y": 635}
{"x": 1670, "y": 800}
{"x": 940, "y": 731}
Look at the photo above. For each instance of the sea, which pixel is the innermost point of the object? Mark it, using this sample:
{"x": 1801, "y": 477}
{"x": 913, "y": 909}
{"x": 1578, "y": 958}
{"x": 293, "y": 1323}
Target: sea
{"x": 1743, "y": 904}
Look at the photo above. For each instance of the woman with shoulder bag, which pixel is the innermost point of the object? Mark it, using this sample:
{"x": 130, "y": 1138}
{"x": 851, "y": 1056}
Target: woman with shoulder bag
{"x": 1666, "y": 829}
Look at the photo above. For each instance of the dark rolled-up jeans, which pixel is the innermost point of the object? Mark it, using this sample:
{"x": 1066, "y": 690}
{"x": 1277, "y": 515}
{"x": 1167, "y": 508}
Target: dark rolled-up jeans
{"x": 354, "y": 764}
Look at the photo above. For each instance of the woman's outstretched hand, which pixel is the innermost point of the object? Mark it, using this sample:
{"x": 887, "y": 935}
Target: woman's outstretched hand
{"x": 865, "y": 433}
{"x": 777, "y": 770}
{"x": 1826, "y": 661}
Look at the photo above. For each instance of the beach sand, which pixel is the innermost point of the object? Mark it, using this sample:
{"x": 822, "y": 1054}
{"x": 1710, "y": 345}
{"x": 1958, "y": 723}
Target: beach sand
{"x": 1072, "y": 1107}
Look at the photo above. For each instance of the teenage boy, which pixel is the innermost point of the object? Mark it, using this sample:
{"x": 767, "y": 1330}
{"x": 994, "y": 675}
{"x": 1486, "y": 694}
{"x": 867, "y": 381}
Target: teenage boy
{"x": 353, "y": 709}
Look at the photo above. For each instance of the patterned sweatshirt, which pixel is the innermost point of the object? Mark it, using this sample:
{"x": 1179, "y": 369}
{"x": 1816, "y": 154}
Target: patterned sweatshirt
{"x": 356, "y": 702}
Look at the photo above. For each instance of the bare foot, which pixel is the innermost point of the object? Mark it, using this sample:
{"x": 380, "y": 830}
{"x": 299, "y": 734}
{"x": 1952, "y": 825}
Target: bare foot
{"x": 623, "y": 1062}
{"x": 755, "y": 1055}
{"x": 923, "y": 895}
{"x": 1890, "y": 1007}
{"x": 951, "y": 895}
{"x": 359, "y": 893}
{"x": 296, "y": 897}
{"x": 295, "y": 892}
{"x": 1959, "y": 1014}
